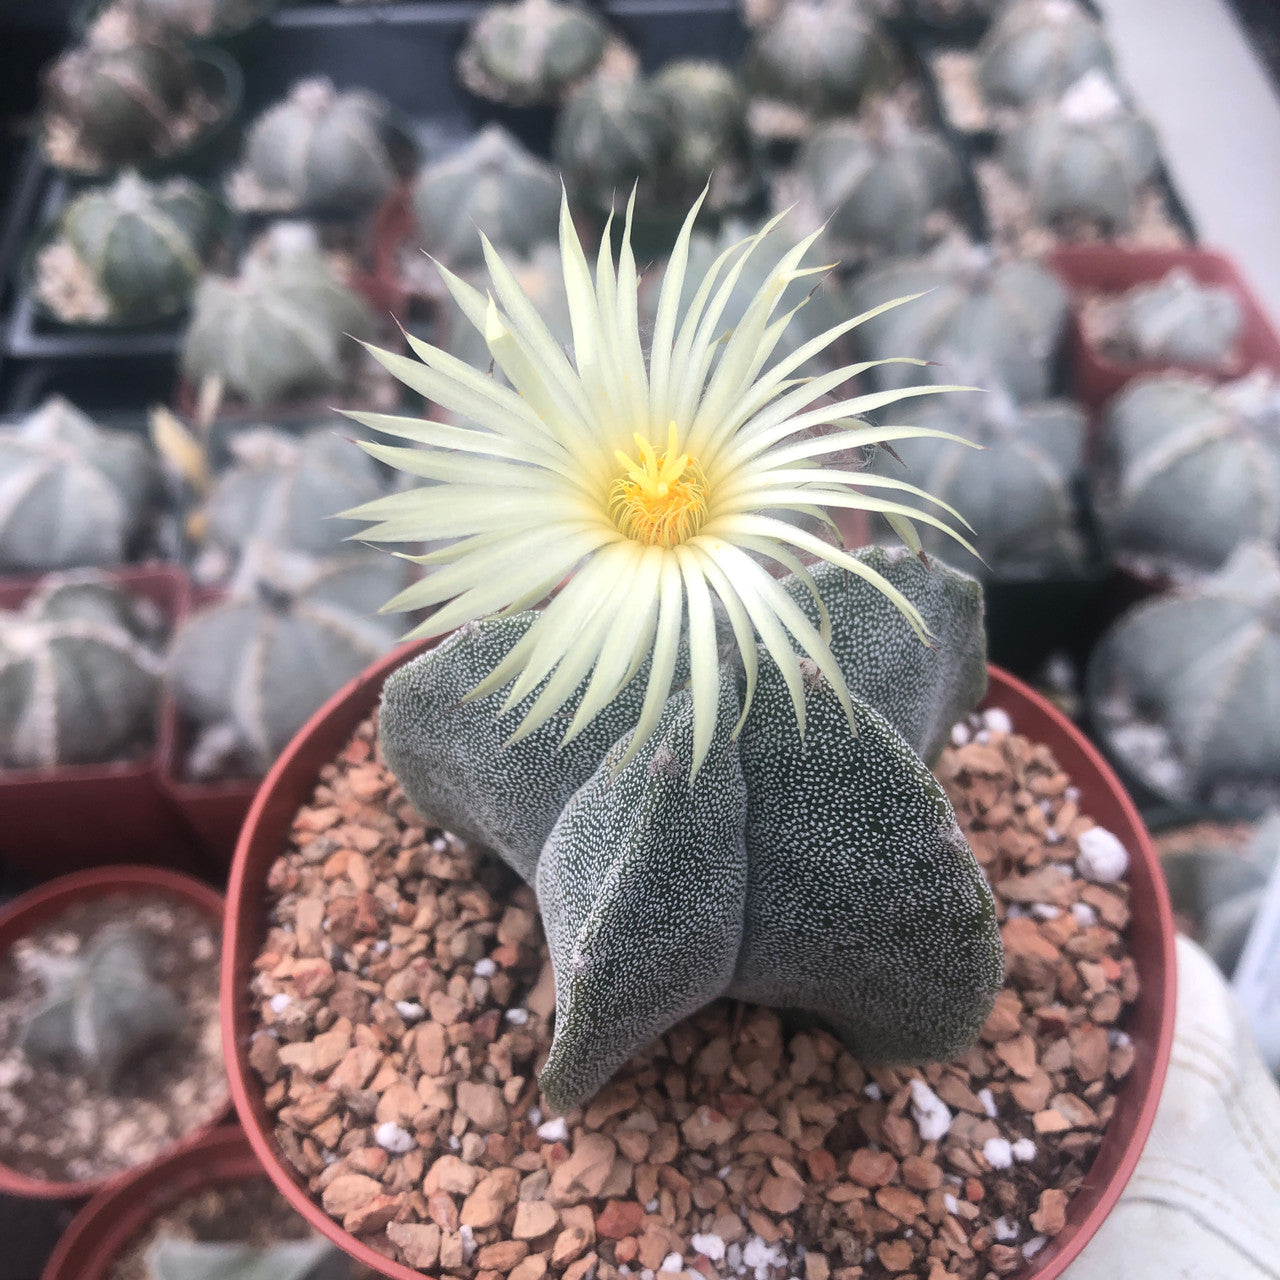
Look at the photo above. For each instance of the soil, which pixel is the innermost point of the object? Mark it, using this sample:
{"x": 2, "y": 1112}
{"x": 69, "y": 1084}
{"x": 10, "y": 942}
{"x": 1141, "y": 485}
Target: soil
{"x": 405, "y": 1000}
{"x": 62, "y": 1126}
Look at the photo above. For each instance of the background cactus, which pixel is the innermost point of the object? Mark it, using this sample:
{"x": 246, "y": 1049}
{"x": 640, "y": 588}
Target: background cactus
{"x": 531, "y": 51}
{"x": 820, "y": 55}
{"x": 317, "y": 151}
{"x": 102, "y": 1008}
{"x": 1179, "y": 320}
{"x": 78, "y": 676}
{"x": 278, "y": 328}
{"x": 877, "y": 181}
{"x": 491, "y": 185}
{"x": 1192, "y": 469}
{"x": 1008, "y": 316}
{"x": 660, "y": 892}
{"x": 1037, "y": 49}
{"x": 707, "y": 109}
{"x": 1021, "y": 494}
{"x": 71, "y": 493}
{"x": 173, "y": 1258}
{"x": 1086, "y": 157}
{"x": 1185, "y": 688}
{"x": 249, "y": 671}
{"x": 201, "y": 17}
{"x": 138, "y": 249}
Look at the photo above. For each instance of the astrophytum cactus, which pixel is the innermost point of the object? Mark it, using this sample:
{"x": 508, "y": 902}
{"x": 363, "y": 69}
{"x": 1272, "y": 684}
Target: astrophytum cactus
{"x": 102, "y": 1008}
{"x": 1037, "y": 49}
{"x": 317, "y": 151}
{"x": 137, "y": 250}
{"x": 707, "y": 108}
{"x": 661, "y": 891}
{"x": 1192, "y": 469}
{"x": 1019, "y": 490}
{"x": 248, "y": 671}
{"x": 948, "y": 14}
{"x": 71, "y": 493}
{"x": 531, "y": 52}
{"x": 879, "y": 182}
{"x": 493, "y": 186}
{"x": 1185, "y": 688}
{"x": 1006, "y": 316}
{"x": 1178, "y": 320}
{"x": 79, "y": 678}
{"x": 822, "y": 56}
{"x": 281, "y": 327}
{"x": 201, "y": 18}
{"x": 175, "y": 1258}
{"x": 1084, "y": 158}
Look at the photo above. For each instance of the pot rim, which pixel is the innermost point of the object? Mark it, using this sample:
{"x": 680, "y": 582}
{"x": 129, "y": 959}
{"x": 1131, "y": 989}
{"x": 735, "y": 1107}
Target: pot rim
{"x": 1100, "y": 790}
{"x": 44, "y": 902}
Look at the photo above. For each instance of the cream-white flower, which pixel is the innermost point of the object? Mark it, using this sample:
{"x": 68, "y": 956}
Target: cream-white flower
{"x": 655, "y": 486}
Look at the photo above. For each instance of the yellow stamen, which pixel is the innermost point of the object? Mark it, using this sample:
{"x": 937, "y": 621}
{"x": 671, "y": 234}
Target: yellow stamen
{"x": 660, "y": 499}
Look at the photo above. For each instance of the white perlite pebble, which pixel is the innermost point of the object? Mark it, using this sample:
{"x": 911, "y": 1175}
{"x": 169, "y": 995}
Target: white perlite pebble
{"x": 554, "y": 1130}
{"x": 758, "y": 1256}
{"x": 959, "y": 734}
{"x": 391, "y": 1137}
{"x": 932, "y": 1117}
{"x": 1004, "y": 1229}
{"x": 646, "y": 1274}
{"x": 1045, "y": 911}
{"x": 1024, "y": 1150}
{"x": 1034, "y": 1245}
{"x": 997, "y": 720}
{"x": 872, "y": 1091}
{"x": 468, "y": 1242}
{"x": 988, "y": 1102}
{"x": 1103, "y": 858}
{"x": 535, "y": 1116}
{"x": 279, "y": 1003}
{"x": 484, "y": 968}
{"x": 950, "y": 1203}
{"x": 998, "y": 1153}
{"x": 709, "y": 1246}
{"x": 518, "y": 1017}
{"x": 409, "y": 1011}
{"x": 672, "y": 1262}
{"x": 1084, "y": 915}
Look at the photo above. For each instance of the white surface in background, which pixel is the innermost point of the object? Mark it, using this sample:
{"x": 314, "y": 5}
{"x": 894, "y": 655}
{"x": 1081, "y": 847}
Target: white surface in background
{"x": 1192, "y": 69}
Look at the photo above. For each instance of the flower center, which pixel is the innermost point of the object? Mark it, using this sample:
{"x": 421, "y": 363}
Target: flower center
{"x": 661, "y": 498}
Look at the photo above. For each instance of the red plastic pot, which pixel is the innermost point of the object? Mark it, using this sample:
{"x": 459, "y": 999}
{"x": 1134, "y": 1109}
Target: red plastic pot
{"x": 1151, "y": 937}
{"x": 1105, "y": 269}
{"x": 102, "y": 1230}
{"x": 57, "y": 820}
{"x": 27, "y": 913}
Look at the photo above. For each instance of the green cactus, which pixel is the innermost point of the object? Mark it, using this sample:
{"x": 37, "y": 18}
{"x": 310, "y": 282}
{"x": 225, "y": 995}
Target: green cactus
{"x": 79, "y": 680}
{"x": 491, "y": 186}
{"x": 1087, "y": 157}
{"x": 102, "y": 1009}
{"x": 1178, "y": 320}
{"x": 1192, "y": 469}
{"x": 283, "y": 490}
{"x": 173, "y": 1258}
{"x": 1007, "y": 315}
{"x": 137, "y": 249}
{"x": 878, "y": 180}
{"x": 707, "y": 109}
{"x": 661, "y": 891}
{"x": 201, "y": 18}
{"x": 279, "y": 328}
{"x": 531, "y": 52}
{"x": 250, "y": 670}
{"x": 946, "y": 14}
{"x": 822, "y": 56}
{"x": 1185, "y": 688}
{"x": 317, "y": 151}
{"x": 71, "y": 493}
{"x": 1037, "y": 49}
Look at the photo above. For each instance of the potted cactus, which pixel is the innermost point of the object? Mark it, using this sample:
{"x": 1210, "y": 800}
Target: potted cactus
{"x": 221, "y": 20}
{"x": 633, "y": 753}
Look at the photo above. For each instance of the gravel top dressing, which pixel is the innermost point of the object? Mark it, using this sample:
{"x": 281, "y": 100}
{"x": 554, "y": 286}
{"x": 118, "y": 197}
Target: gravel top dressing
{"x": 405, "y": 1001}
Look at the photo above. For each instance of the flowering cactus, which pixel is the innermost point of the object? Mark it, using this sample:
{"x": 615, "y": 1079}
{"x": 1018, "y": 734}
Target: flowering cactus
{"x": 1037, "y": 49}
{"x": 1192, "y": 469}
{"x": 687, "y": 799}
{"x": 1178, "y": 320}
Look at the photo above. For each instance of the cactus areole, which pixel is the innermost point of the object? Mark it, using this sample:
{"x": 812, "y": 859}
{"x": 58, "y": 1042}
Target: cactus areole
{"x": 714, "y": 778}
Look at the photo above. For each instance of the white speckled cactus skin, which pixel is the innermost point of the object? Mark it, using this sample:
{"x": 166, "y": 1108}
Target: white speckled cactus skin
{"x": 320, "y": 150}
{"x": 1008, "y": 315}
{"x": 1037, "y": 49}
{"x": 877, "y": 185}
{"x": 71, "y": 493}
{"x": 1179, "y": 320}
{"x": 78, "y": 684}
{"x": 707, "y": 109}
{"x": 1192, "y": 469}
{"x": 531, "y": 51}
{"x": 1185, "y": 688}
{"x": 660, "y": 892}
{"x": 491, "y": 186}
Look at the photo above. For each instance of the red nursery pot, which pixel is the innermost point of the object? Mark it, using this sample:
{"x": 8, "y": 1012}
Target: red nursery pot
{"x": 1151, "y": 937}
{"x": 1106, "y": 269}
{"x": 27, "y": 913}
{"x": 106, "y": 1225}
{"x": 58, "y": 820}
